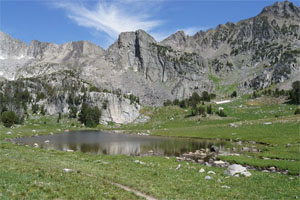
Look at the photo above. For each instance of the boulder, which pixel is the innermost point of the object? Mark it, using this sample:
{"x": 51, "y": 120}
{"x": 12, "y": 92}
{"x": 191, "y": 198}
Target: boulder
{"x": 236, "y": 169}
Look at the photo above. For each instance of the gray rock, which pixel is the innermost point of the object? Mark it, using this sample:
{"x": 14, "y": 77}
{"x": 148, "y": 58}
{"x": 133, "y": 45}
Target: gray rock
{"x": 225, "y": 186}
{"x": 202, "y": 170}
{"x": 236, "y": 169}
{"x": 178, "y": 167}
{"x": 208, "y": 178}
{"x": 68, "y": 170}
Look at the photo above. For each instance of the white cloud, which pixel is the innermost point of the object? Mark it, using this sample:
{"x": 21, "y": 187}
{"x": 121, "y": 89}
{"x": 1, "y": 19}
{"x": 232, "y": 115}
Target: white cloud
{"x": 112, "y": 17}
{"x": 193, "y": 30}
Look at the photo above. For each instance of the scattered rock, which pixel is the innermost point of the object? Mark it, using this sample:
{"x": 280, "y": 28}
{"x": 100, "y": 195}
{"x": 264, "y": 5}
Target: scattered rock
{"x": 146, "y": 134}
{"x": 139, "y": 162}
{"x": 208, "y": 178}
{"x": 8, "y": 133}
{"x": 254, "y": 150}
{"x": 219, "y": 180}
{"x": 245, "y": 149}
{"x": 46, "y": 141}
{"x": 202, "y": 170}
{"x": 219, "y": 162}
{"x": 70, "y": 150}
{"x": 232, "y": 125}
{"x": 211, "y": 172}
{"x": 36, "y": 145}
{"x": 178, "y": 167}
{"x": 268, "y": 123}
{"x": 225, "y": 186}
{"x": 68, "y": 170}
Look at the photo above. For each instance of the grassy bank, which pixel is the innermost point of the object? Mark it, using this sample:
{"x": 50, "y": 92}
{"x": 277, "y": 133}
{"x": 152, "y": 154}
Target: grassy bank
{"x": 30, "y": 173}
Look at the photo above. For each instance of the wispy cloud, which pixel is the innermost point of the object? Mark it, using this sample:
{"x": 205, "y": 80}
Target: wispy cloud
{"x": 111, "y": 17}
{"x": 192, "y": 30}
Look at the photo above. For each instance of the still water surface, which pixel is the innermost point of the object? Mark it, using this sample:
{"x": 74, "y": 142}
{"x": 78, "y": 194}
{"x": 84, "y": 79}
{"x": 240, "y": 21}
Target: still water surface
{"x": 99, "y": 142}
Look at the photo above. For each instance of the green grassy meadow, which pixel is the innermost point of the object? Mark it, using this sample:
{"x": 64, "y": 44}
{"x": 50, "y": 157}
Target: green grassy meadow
{"x": 34, "y": 173}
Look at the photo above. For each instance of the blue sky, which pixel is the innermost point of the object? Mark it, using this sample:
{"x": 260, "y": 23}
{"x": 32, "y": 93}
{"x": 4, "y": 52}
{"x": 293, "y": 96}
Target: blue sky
{"x": 100, "y": 21}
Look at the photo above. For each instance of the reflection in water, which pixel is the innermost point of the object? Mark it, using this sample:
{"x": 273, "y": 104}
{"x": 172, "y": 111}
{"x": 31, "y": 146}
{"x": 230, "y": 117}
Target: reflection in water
{"x": 98, "y": 142}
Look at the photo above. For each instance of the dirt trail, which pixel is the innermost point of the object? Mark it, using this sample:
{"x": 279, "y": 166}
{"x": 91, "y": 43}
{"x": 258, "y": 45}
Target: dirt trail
{"x": 138, "y": 193}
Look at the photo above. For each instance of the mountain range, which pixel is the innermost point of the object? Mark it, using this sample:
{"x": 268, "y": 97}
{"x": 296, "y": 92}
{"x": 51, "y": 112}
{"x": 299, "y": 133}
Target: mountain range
{"x": 255, "y": 53}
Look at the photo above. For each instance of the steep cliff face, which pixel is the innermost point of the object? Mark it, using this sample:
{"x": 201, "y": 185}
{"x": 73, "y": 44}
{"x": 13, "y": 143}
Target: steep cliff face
{"x": 64, "y": 91}
{"x": 251, "y": 54}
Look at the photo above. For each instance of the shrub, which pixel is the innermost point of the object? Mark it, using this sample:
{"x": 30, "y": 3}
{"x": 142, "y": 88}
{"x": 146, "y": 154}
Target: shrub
{"x": 104, "y": 104}
{"x": 297, "y": 111}
{"x": 255, "y": 95}
{"x": 94, "y": 89}
{"x": 193, "y": 112}
{"x": 89, "y": 116}
{"x": 176, "y": 102}
{"x": 9, "y": 118}
{"x": 212, "y": 96}
{"x": 43, "y": 110}
{"x": 221, "y": 113}
{"x": 234, "y": 94}
{"x": 195, "y": 97}
{"x": 209, "y": 110}
{"x": 205, "y": 96}
{"x": 167, "y": 103}
{"x": 201, "y": 110}
{"x": 133, "y": 99}
{"x": 40, "y": 96}
{"x": 183, "y": 104}
{"x": 35, "y": 108}
{"x": 58, "y": 118}
{"x": 73, "y": 112}
{"x": 295, "y": 93}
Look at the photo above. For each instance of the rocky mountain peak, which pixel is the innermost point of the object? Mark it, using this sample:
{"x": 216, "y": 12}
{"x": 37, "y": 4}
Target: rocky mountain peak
{"x": 127, "y": 39}
{"x": 10, "y": 46}
{"x": 283, "y": 9}
{"x": 176, "y": 40}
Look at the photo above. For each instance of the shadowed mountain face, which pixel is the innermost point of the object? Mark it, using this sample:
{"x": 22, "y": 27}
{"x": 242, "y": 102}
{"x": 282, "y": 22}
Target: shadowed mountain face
{"x": 251, "y": 54}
